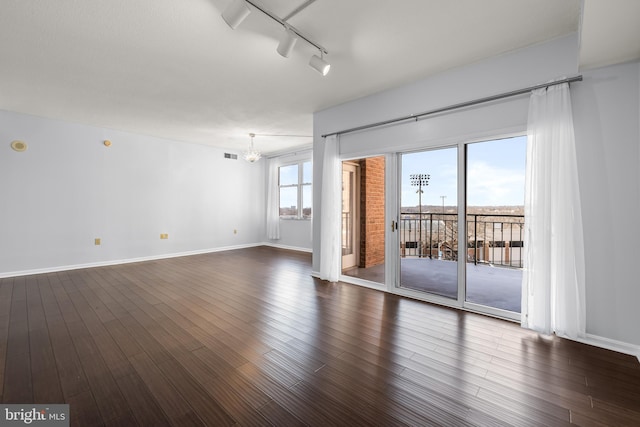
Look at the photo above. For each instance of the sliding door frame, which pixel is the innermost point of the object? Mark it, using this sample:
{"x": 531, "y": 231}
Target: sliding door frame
{"x": 393, "y": 242}
{"x": 393, "y": 282}
{"x": 392, "y": 238}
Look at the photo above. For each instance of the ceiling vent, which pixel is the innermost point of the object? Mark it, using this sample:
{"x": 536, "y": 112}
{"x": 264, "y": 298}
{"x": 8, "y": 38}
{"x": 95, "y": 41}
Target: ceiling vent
{"x": 230, "y": 156}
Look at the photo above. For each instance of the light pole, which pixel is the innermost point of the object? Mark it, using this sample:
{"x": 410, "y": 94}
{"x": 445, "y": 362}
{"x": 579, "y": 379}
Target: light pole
{"x": 444, "y": 221}
{"x": 418, "y": 180}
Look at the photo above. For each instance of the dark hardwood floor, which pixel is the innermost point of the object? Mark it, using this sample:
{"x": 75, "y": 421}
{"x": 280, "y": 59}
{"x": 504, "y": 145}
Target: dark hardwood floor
{"x": 248, "y": 337}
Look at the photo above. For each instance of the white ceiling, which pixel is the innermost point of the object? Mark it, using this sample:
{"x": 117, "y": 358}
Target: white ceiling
{"x": 174, "y": 69}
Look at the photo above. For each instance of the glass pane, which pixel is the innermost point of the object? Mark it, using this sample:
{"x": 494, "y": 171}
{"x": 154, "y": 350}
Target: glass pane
{"x": 429, "y": 222}
{"x": 307, "y": 198}
{"x": 289, "y": 175}
{"x": 307, "y": 173}
{"x": 289, "y": 201}
{"x": 495, "y": 220}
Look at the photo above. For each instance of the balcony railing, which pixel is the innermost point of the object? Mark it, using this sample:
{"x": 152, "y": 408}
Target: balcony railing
{"x": 491, "y": 239}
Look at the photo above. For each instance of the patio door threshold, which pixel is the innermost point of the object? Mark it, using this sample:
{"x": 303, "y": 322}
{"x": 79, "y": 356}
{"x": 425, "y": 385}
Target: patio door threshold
{"x": 455, "y": 304}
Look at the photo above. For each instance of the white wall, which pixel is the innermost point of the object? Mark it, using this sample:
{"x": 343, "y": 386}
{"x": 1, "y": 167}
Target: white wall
{"x": 68, "y": 188}
{"x": 295, "y": 234}
{"x": 606, "y": 110}
{"x": 607, "y": 131}
{"x": 523, "y": 68}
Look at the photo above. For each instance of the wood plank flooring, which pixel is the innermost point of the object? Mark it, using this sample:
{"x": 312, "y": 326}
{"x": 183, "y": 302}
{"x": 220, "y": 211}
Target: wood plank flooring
{"x": 248, "y": 337}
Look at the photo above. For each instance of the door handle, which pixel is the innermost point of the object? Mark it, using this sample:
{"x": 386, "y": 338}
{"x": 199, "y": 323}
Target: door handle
{"x": 394, "y": 226}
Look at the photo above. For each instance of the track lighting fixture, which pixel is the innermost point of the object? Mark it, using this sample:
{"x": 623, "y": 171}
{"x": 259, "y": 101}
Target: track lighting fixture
{"x": 288, "y": 40}
{"x": 235, "y": 13}
{"x": 238, "y": 10}
{"x": 319, "y": 64}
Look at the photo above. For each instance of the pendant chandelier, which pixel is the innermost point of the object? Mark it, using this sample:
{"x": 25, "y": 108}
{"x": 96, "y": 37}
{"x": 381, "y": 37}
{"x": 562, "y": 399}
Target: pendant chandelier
{"x": 252, "y": 155}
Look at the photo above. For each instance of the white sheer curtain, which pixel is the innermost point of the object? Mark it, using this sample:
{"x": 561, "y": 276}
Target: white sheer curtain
{"x": 553, "y": 295}
{"x": 330, "y": 225}
{"x": 273, "y": 207}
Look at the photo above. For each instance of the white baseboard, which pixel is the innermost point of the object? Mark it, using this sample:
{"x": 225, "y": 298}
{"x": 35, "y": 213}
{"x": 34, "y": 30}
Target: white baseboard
{"x": 609, "y": 344}
{"x": 594, "y": 340}
{"x": 291, "y": 248}
{"x": 124, "y": 261}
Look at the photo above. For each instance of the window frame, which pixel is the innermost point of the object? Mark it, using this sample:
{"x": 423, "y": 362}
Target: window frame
{"x": 300, "y": 187}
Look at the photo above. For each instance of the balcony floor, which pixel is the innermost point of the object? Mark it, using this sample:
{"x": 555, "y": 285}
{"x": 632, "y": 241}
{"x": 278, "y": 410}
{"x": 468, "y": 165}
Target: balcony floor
{"x": 498, "y": 287}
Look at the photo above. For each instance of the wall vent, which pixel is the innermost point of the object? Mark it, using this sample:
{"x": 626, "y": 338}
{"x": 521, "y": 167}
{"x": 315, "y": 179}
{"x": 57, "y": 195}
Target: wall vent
{"x": 230, "y": 156}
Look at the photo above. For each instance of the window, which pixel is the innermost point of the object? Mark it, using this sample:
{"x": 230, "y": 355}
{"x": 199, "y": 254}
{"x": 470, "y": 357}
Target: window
{"x": 295, "y": 190}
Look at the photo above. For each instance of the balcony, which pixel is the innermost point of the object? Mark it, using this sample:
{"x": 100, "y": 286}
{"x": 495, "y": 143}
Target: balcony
{"x": 494, "y": 254}
{"x": 429, "y": 249}
{"x": 496, "y": 240}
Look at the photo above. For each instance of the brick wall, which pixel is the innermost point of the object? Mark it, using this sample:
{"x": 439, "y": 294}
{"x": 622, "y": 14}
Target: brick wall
{"x": 372, "y": 212}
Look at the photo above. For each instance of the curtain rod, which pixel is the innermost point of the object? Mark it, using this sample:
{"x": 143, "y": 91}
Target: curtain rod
{"x": 456, "y": 106}
{"x": 293, "y": 152}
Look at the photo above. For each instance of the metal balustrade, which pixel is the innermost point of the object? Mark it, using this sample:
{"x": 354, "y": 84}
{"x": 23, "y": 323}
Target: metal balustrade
{"x": 491, "y": 239}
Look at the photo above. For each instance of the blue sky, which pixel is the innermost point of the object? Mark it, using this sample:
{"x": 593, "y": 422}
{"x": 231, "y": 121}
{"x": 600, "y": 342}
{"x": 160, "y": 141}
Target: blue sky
{"x": 289, "y": 175}
{"x": 495, "y": 174}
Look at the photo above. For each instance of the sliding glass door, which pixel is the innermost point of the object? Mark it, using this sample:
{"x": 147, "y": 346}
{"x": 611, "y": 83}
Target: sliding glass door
{"x": 477, "y": 263}
{"x": 428, "y": 222}
{"x": 495, "y": 222}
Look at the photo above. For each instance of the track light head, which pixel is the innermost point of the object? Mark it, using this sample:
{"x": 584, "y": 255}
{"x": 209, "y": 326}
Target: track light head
{"x": 288, "y": 40}
{"x": 237, "y": 10}
{"x": 235, "y": 13}
{"x": 319, "y": 64}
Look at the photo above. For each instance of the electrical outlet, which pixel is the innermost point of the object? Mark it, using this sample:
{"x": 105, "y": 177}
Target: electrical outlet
{"x": 97, "y": 241}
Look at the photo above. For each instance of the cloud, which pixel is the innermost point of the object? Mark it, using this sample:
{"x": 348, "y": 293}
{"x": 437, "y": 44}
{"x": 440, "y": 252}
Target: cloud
{"x": 494, "y": 186}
